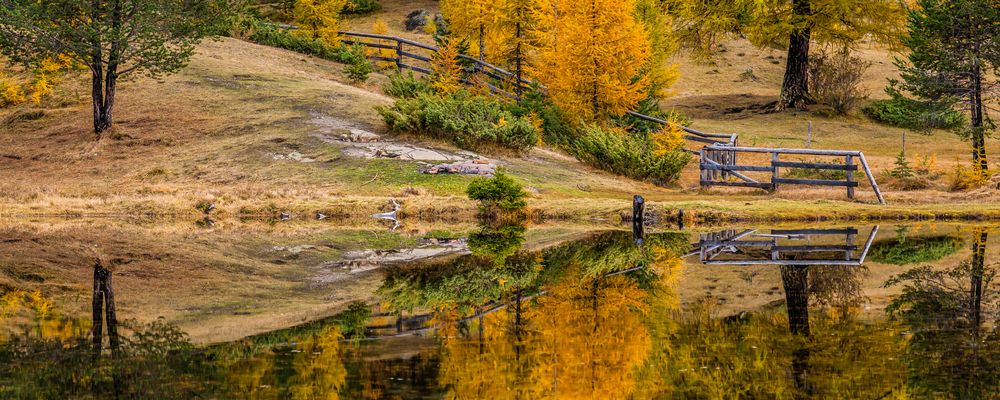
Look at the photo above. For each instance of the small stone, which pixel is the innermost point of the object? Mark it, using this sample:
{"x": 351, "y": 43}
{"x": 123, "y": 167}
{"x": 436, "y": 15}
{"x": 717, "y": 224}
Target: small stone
{"x": 285, "y": 216}
{"x": 481, "y": 161}
{"x": 320, "y": 216}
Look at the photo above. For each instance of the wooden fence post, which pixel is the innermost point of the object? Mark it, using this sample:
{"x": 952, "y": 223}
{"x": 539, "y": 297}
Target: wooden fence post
{"x": 849, "y": 161}
{"x": 399, "y": 56}
{"x": 774, "y": 172}
{"x": 638, "y": 218}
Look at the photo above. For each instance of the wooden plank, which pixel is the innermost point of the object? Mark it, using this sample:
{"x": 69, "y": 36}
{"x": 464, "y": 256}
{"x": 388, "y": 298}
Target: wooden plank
{"x": 849, "y": 163}
{"x": 709, "y": 161}
{"x": 701, "y": 139}
{"x": 835, "y": 167}
{"x": 814, "y": 182}
{"x": 418, "y": 69}
{"x": 781, "y": 262}
{"x": 786, "y": 232}
{"x": 759, "y": 185}
{"x": 871, "y": 178}
{"x": 868, "y": 244}
{"x": 807, "y": 152}
{"x": 737, "y": 243}
{"x": 380, "y": 58}
{"x": 753, "y": 168}
{"x": 815, "y": 248}
{"x": 369, "y": 44}
{"x": 414, "y": 56}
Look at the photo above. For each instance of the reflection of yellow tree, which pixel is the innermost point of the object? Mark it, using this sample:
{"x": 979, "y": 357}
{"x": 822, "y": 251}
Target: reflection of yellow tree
{"x": 319, "y": 373}
{"x": 591, "y": 339}
{"x": 245, "y": 378}
{"x": 486, "y": 367}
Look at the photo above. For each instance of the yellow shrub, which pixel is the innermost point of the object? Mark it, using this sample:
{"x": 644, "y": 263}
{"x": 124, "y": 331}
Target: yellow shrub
{"x": 966, "y": 177}
{"x": 40, "y": 88}
{"x": 667, "y": 139}
{"x": 11, "y": 94}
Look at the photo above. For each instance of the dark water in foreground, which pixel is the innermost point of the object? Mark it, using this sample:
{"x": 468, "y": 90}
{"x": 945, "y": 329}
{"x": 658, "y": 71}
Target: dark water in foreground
{"x": 842, "y": 312}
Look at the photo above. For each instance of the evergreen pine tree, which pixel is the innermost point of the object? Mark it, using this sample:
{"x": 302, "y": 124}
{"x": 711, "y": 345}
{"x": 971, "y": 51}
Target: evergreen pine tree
{"x": 953, "y": 45}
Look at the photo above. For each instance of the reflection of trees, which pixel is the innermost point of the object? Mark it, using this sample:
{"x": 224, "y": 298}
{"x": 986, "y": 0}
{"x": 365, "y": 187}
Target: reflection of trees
{"x": 583, "y": 338}
{"x": 951, "y": 353}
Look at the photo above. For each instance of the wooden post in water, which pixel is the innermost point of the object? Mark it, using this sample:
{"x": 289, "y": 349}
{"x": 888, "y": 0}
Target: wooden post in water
{"x": 638, "y": 219}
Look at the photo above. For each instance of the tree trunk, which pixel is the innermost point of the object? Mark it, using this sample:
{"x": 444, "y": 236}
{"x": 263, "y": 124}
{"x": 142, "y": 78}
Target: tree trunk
{"x": 97, "y": 318}
{"x": 976, "y": 284}
{"x": 795, "y": 88}
{"x": 796, "y": 283}
{"x": 976, "y": 111}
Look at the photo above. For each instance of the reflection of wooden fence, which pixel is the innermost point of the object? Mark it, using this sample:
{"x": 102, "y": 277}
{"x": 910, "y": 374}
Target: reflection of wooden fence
{"x": 730, "y": 173}
{"x": 765, "y": 248}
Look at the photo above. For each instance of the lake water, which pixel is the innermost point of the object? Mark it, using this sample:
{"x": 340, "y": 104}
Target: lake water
{"x": 845, "y": 311}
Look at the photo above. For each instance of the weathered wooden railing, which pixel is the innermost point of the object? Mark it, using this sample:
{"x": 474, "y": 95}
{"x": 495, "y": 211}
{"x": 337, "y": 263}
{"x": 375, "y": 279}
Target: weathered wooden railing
{"x": 406, "y": 50}
{"x": 714, "y": 173}
{"x": 778, "y": 247}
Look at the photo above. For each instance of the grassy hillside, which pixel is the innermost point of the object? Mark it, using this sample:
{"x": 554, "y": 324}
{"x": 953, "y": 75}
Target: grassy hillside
{"x": 248, "y": 128}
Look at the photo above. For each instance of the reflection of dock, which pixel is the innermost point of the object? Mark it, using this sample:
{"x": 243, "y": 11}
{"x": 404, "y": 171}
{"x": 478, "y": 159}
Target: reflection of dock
{"x": 783, "y": 247}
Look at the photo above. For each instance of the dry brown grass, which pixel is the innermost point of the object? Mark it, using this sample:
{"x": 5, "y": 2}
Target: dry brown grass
{"x": 208, "y": 133}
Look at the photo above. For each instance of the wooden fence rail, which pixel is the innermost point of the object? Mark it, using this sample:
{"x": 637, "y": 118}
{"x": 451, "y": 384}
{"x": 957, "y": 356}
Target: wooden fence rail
{"x": 715, "y": 173}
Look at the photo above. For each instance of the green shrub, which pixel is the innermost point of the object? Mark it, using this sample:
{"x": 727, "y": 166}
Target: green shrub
{"x": 470, "y": 122}
{"x": 406, "y": 86}
{"x": 629, "y": 154}
{"x": 914, "y": 250}
{"x": 359, "y": 7}
{"x": 499, "y": 193}
{"x": 911, "y": 114}
{"x": 359, "y": 69}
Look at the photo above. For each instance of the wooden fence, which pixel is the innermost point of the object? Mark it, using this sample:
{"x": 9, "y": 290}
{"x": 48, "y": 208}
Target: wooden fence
{"x": 731, "y": 173}
{"x": 719, "y": 165}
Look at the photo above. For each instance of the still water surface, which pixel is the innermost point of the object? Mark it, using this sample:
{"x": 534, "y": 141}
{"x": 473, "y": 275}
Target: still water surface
{"x": 858, "y": 311}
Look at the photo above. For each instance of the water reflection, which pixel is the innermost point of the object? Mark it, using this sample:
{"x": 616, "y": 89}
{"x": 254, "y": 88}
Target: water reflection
{"x": 600, "y": 317}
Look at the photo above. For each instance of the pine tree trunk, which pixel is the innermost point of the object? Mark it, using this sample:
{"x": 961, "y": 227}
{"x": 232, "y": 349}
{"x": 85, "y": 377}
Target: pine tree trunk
{"x": 978, "y": 134}
{"x": 795, "y": 88}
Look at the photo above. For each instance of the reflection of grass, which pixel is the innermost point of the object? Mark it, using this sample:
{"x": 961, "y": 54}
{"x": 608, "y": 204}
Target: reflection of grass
{"x": 914, "y": 250}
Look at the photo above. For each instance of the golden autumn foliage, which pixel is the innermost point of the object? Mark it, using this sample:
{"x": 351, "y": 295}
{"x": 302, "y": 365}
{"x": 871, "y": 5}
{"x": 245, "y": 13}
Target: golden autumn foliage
{"x": 592, "y": 339}
{"x": 582, "y": 49}
{"x": 318, "y": 19}
{"x": 476, "y": 21}
{"x": 379, "y": 27}
{"x": 445, "y": 70}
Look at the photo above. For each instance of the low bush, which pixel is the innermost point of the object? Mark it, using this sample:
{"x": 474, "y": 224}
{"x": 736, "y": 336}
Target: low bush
{"x": 359, "y": 69}
{"x": 499, "y": 193}
{"x": 470, "y": 122}
{"x": 630, "y": 154}
{"x": 835, "y": 80}
{"x": 406, "y": 86}
{"x": 912, "y": 114}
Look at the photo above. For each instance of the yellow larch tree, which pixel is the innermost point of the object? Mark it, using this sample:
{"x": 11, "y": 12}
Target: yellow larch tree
{"x": 476, "y": 21}
{"x": 445, "y": 70}
{"x": 318, "y": 19}
{"x": 591, "y": 57}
